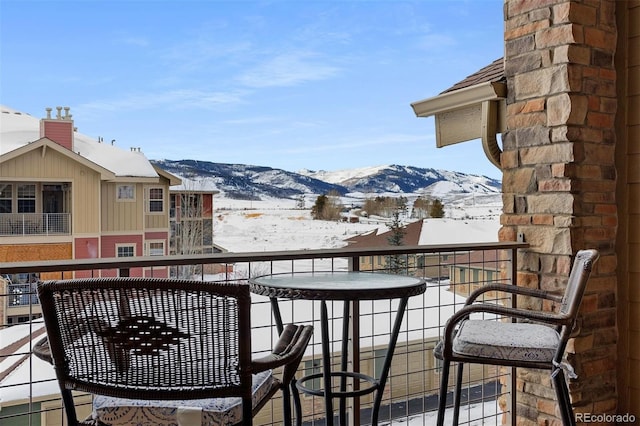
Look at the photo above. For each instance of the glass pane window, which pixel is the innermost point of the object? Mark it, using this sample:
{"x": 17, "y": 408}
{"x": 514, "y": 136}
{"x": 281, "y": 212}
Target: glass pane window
{"x": 126, "y": 251}
{"x": 156, "y": 200}
{"x": 378, "y": 361}
{"x": 313, "y": 366}
{"x": 126, "y": 192}
{"x": 156, "y": 249}
{"x": 26, "y": 198}
{"x": 5, "y": 198}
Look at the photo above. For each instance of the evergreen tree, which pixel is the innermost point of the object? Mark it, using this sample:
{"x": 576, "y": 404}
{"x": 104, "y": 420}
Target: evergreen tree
{"x": 318, "y": 207}
{"x": 437, "y": 209}
{"x": 326, "y": 207}
{"x": 396, "y": 263}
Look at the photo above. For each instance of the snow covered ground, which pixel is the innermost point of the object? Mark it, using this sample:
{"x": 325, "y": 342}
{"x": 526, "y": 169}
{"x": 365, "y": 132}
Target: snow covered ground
{"x": 273, "y": 225}
{"x": 242, "y": 226}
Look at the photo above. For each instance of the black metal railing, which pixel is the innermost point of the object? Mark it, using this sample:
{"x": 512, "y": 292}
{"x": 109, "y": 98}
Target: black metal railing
{"x": 30, "y": 395}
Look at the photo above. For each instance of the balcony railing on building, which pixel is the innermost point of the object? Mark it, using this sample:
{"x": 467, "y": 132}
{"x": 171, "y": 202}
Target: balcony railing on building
{"x": 17, "y": 224}
{"x": 28, "y": 388}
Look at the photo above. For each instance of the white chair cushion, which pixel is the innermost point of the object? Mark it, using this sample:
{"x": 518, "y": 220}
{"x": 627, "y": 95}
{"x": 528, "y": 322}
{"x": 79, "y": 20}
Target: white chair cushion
{"x": 213, "y": 412}
{"x": 506, "y": 340}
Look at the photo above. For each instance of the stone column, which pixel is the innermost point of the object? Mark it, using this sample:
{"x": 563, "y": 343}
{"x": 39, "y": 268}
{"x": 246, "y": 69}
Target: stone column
{"x": 559, "y": 181}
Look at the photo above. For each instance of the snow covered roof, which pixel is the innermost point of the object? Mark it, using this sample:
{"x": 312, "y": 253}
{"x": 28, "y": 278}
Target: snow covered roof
{"x": 457, "y": 231}
{"x": 436, "y": 231}
{"x": 22, "y": 374}
{"x": 18, "y": 129}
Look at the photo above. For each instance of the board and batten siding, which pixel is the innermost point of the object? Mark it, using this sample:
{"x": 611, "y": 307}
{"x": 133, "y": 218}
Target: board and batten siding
{"x": 122, "y": 215}
{"x": 47, "y": 165}
{"x": 157, "y": 220}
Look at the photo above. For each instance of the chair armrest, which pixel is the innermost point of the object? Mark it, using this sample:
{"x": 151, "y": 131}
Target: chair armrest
{"x": 512, "y": 289}
{"x": 288, "y": 350}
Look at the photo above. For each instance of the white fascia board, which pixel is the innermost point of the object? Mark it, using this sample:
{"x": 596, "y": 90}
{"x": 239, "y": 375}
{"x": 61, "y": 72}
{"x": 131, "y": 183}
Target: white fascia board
{"x": 457, "y": 99}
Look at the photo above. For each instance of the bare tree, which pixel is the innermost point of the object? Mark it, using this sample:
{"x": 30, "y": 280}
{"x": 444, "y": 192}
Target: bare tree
{"x": 190, "y": 233}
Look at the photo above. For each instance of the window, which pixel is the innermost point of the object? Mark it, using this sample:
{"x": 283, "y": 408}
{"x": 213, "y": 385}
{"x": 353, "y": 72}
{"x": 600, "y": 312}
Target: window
{"x": 156, "y": 248}
{"x": 313, "y": 366}
{"x": 5, "y": 198}
{"x": 378, "y": 361}
{"x": 126, "y": 250}
{"x": 156, "y": 200}
{"x": 126, "y": 193}
{"x": 26, "y": 198}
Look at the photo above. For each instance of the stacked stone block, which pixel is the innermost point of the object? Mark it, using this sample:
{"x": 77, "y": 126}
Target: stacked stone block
{"x": 559, "y": 181}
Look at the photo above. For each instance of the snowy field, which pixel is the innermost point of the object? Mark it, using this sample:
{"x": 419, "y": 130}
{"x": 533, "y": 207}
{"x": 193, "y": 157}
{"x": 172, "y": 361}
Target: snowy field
{"x": 244, "y": 226}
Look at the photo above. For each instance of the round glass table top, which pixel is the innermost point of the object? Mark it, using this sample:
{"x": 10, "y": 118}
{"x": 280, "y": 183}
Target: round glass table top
{"x": 337, "y": 285}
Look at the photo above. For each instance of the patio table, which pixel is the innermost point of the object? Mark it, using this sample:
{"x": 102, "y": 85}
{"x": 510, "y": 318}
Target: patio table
{"x": 348, "y": 287}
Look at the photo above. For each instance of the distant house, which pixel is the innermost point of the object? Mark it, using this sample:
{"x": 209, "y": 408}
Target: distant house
{"x": 425, "y": 232}
{"x": 371, "y": 239}
{"x": 64, "y": 195}
{"x": 473, "y": 270}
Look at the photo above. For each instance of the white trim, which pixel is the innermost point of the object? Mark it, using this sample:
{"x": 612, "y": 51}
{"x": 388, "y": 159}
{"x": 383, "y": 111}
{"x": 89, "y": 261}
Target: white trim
{"x": 461, "y": 98}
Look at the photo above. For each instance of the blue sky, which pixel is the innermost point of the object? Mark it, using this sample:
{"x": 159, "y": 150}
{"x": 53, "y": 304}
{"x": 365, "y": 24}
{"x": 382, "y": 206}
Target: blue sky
{"x": 321, "y": 85}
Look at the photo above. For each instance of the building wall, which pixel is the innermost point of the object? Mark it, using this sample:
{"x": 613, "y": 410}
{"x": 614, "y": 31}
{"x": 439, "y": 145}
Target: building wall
{"x": 158, "y": 220}
{"x": 628, "y": 193}
{"x": 560, "y": 178}
{"x": 121, "y": 215}
{"x": 56, "y": 167}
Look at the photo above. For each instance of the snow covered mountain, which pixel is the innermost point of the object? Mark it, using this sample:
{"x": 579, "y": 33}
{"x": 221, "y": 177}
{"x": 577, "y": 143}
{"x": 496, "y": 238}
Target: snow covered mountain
{"x": 257, "y": 182}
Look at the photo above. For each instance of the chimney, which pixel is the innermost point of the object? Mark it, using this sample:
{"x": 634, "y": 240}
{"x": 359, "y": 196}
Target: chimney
{"x": 59, "y": 129}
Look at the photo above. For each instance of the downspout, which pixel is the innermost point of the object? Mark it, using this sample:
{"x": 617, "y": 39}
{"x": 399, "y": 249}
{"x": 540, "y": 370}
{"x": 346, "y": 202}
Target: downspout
{"x": 489, "y": 131}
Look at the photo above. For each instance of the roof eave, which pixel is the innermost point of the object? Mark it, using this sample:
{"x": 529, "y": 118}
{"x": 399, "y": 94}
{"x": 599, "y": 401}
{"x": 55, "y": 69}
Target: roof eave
{"x": 450, "y": 101}
{"x": 45, "y": 143}
{"x": 173, "y": 179}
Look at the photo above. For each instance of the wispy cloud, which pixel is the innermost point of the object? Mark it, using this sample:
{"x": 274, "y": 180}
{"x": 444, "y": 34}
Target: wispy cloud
{"x": 288, "y": 69}
{"x": 393, "y": 140}
{"x": 187, "y": 98}
{"x": 134, "y": 41}
{"x": 435, "y": 41}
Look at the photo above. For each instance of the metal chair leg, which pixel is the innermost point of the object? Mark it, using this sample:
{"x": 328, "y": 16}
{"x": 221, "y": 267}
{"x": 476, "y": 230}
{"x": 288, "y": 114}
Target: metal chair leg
{"x": 456, "y": 395}
{"x": 564, "y": 399}
{"x": 442, "y": 398}
{"x": 296, "y": 402}
{"x": 69, "y": 408}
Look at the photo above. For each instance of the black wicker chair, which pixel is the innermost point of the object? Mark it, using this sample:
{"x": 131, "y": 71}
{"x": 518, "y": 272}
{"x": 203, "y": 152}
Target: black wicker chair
{"x": 161, "y": 351}
{"x": 539, "y": 342}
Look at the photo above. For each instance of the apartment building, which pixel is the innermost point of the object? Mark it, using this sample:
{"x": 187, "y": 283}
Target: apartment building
{"x": 64, "y": 195}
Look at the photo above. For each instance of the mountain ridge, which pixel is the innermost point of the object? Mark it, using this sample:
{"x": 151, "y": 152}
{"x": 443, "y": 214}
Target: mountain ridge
{"x": 242, "y": 181}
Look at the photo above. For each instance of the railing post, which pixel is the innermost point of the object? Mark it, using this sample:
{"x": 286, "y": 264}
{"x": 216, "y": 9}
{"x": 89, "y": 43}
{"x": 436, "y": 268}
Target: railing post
{"x": 513, "y": 400}
{"x": 353, "y": 412}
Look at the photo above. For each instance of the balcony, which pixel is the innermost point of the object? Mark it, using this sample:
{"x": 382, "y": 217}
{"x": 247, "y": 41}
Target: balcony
{"x": 30, "y": 396}
{"x": 21, "y": 224}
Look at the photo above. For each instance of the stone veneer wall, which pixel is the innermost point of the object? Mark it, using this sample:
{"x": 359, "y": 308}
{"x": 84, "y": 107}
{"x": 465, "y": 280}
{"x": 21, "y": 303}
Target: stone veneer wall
{"x": 559, "y": 181}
